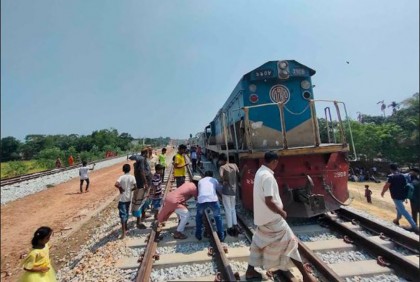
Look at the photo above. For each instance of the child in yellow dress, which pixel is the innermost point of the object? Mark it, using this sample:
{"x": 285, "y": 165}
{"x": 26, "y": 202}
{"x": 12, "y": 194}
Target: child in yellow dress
{"x": 37, "y": 264}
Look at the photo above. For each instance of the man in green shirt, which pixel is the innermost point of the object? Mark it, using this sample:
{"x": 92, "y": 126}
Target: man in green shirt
{"x": 162, "y": 161}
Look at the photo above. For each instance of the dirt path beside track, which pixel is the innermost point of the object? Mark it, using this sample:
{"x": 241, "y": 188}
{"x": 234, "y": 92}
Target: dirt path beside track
{"x": 383, "y": 208}
{"x": 62, "y": 208}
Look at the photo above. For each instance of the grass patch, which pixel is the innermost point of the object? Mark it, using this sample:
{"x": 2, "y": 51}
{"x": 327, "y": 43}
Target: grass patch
{"x": 16, "y": 168}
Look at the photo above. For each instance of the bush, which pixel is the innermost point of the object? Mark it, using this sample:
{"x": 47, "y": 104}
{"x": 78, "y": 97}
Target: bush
{"x": 15, "y": 168}
{"x": 85, "y": 156}
{"x": 47, "y": 163}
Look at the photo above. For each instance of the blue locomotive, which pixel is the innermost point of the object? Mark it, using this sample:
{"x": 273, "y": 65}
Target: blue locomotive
{"x": 273, "y": 108}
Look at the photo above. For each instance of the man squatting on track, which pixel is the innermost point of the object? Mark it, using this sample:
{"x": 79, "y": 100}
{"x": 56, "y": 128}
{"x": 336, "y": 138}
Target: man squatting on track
{"x": 274, "y": 246}
{"x": 175, "y": 201}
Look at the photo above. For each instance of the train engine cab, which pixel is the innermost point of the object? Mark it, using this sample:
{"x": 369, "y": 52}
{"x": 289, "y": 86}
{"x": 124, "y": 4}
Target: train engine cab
{"x": 273, "y": 108}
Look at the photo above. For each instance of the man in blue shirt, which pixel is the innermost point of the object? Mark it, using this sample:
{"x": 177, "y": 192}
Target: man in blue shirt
{"x": 396, "y": 185}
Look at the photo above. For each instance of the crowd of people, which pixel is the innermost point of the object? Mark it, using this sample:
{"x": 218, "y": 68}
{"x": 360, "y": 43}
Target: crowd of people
{"x": 360, "y": 174}
{"x": 274, "y": 245}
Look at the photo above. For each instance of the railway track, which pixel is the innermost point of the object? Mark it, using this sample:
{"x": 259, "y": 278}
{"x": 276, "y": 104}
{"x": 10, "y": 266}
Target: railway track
{"x": 345, "y": 246}
{"x": 340, "y": 246}
{"x": 30, "y": 176}
{"x": 160, "y": 253}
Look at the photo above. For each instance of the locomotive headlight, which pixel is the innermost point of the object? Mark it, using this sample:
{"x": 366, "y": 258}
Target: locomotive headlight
{"x": 252, "y": 88}
{"x": 306, "y": 95}
{"x": 283, "y": 65}
{"x": 284, "y": 74}
{"x": 305, "y": 84}
{"x": 253, "y": 98}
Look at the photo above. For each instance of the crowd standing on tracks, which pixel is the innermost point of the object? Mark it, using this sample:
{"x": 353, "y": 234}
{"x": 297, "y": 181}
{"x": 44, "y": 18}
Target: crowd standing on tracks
{"x": 274, "y": 246}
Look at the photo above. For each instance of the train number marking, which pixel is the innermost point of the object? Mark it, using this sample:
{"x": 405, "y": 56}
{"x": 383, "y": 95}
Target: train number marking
{"x": 250, "y": 181}
{"x": 340, "y": 174}
{"x": 263, "y": 73}
{"x": 299, "y": 72}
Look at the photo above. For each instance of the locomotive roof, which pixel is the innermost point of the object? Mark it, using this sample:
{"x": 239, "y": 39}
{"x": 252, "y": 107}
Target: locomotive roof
{"x": 311, "y": 71}
{"x": 248, "y": 74}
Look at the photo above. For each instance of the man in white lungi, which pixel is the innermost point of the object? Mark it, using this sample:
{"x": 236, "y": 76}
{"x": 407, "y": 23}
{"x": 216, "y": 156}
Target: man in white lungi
{"x": 274, "y": 246}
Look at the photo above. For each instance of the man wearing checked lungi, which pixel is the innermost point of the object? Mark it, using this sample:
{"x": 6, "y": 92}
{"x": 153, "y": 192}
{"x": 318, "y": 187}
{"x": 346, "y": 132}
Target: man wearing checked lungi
{"x": 274, "y": 246}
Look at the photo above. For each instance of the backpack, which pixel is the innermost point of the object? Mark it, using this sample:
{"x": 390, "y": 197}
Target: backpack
{"x": 410, "y": 190}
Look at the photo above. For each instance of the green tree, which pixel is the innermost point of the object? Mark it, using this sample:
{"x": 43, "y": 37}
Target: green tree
{"x": 105, "y": 137}
{"x": 124, "y": 141}
{"x": 9, "y": 149}
{"x": 34, "y": 143}
{"x": 395, "y": 138}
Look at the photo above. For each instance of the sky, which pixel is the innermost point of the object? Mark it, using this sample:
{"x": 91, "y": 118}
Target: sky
{"x": 164, "y": 68}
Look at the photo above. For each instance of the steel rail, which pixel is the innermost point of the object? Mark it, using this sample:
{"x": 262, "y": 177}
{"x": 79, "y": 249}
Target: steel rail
{"x": 247, "y": 231}
{"x": 145, "y": 268}
{"x": 224, "y": 265}
{"x": 321, "y": 266}
{"x": 398, "y": 262}
{"x": 398, "y": 238}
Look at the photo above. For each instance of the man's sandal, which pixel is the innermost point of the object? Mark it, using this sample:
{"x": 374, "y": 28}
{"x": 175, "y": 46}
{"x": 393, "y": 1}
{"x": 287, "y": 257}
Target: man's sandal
{"x": 256, "y": 276}
{"x": 180, "y": 236}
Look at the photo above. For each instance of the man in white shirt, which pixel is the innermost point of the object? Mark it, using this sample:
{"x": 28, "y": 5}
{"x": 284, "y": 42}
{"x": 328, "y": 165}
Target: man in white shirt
{"x": 84, "y": 176}
{"x": 207, "y": 198}
{"x": 126, "y": 184}
{"x": 274, "y": 246}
